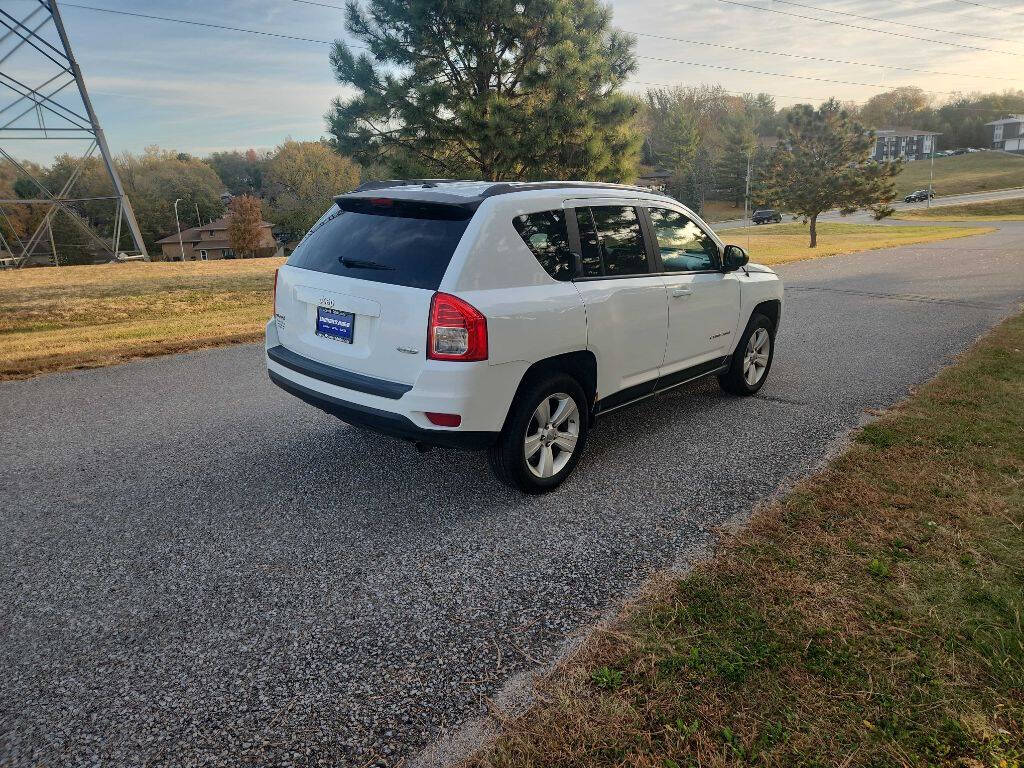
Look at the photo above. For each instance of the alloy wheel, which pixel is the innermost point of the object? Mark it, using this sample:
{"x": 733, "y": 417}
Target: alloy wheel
{"x": 551, "y": 435}
{"x": 755, "y": 359}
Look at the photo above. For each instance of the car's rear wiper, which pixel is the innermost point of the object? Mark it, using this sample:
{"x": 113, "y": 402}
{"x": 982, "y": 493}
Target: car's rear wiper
{"x": 361, "y": 264}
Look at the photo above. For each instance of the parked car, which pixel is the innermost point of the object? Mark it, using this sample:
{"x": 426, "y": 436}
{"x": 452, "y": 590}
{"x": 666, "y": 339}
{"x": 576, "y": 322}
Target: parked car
{"x": 511, "y": 316}
{"x": 919, "y": 196}
{"x": 766, "y": 216}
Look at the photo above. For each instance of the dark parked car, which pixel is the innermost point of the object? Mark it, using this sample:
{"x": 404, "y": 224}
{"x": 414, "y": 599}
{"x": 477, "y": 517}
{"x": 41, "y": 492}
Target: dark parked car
{"x": 919, "y": 196}
{"x": 765, "y": 216}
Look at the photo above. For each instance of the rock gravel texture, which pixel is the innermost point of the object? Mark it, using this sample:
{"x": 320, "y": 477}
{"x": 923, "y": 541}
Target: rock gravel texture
{"x": 198, "y": 569}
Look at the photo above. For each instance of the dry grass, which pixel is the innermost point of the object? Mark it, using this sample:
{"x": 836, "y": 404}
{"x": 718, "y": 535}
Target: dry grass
{"x": 721, "y": 210}
{"x": 959, "y": 174}
{"x": 991, "y": 210}
{"x": 871, "y": 618}
{"x": 84, "y": 317}
{"x": 779, "y": 243}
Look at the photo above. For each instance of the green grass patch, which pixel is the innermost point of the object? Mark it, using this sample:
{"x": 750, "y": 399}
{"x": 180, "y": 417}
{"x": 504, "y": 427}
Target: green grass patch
{"x": 990, "y": 210}
{"x": 871, "y": 618}
{"x": 959, "y": 174}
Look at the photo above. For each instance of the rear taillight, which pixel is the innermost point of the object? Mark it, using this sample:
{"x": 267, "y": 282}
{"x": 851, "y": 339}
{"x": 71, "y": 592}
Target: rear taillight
{"x": 275, "y": 291}
{"x": 456, "y": 330}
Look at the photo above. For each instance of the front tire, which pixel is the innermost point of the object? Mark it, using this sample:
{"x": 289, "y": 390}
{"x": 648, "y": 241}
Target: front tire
{"x": 752, "y": 359}
{"x": 544, "y": 435}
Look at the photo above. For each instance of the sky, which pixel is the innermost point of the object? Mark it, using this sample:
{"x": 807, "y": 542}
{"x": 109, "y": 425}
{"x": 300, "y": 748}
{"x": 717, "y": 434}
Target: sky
{"x": 201, "y": 90}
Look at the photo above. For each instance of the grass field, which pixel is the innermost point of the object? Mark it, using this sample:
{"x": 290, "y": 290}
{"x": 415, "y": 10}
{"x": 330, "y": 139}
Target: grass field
{"x": 991, "y": 210}
{"x": 720, "y": 210}
{"x": 873, "y": 617}
{"x": 84, "y": 317}
{"x": 959, "y": 174}
{"x": 779, "y": 243}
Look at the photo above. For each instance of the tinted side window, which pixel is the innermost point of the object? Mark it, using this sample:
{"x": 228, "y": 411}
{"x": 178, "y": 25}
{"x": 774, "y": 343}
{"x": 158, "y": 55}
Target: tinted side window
{"x": 544, "y": 233}
{"x": 589, "y": 244}
{"x": 622, "y": 241}
{"x": 684, "y": 246}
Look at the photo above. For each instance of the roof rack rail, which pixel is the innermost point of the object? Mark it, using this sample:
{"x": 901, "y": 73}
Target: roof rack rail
{"x": 504, "y": 188}
{"x": 388, "y": 183}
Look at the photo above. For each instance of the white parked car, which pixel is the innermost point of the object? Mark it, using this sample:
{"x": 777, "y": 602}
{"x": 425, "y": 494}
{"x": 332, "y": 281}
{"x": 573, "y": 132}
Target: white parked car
{"x": 511, "y": 316}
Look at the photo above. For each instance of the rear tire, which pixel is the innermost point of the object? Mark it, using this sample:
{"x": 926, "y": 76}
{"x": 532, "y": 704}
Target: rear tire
{"x": 544, "y": 434}
{"x": 752, "y": 359}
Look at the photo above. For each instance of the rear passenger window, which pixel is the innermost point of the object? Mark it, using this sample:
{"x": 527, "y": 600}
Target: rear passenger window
{"x": 545, "y": 234}
{"x": 621, "y": 240}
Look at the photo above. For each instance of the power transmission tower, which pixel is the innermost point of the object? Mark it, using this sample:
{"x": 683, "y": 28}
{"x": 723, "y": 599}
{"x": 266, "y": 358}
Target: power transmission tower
{"x": 53, "y": 111}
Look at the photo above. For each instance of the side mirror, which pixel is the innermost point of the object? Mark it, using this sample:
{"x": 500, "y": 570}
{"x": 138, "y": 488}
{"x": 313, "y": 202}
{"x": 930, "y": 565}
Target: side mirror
{"x": 733, "y": 257}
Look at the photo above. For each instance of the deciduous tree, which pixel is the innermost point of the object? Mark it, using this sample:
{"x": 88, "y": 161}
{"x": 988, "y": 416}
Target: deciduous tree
{"x": 245, "y": 225}
{"x": 822, "y": 163}
{"x": 301, "y": 181}
{"x": 241, "y": 172}
{"x": 498, "y": 89}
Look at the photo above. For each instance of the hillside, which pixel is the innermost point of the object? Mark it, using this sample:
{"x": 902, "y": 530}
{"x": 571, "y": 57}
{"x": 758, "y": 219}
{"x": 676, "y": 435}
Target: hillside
{"x": 974, "y": 172}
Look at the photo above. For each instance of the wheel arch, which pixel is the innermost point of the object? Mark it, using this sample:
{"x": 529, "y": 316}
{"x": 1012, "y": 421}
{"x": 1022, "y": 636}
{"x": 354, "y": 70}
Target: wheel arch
{"x": 772, "y": 309}
{"x": 581, "y": 365}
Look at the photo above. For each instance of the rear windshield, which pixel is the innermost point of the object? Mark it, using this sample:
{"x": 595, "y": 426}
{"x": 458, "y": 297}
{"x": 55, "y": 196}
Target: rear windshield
{"x": 384, "y": 240}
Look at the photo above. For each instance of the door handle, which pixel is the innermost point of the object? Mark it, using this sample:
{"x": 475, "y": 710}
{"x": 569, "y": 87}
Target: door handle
{"x": 680, "y": 292}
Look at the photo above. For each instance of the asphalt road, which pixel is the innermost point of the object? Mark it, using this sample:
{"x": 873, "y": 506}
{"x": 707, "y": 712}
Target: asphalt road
{"x": 198, "y": 569}
{"x": 863, "y": 217}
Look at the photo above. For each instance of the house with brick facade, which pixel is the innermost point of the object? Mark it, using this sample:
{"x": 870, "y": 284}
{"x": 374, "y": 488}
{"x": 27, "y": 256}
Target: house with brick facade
{"x": 210, "y": 242}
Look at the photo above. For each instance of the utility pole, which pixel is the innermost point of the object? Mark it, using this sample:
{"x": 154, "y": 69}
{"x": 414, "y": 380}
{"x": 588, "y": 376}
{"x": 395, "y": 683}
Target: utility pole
{"x": 45, "y": 111}
{"x": 931, "y": 174}
{"x": 199, "y": 220}
{"x": 178, "y": 223}
{"x": 746, "y": 194}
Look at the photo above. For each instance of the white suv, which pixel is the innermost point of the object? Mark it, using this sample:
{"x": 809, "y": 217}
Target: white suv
{"x": 509, "y": 316}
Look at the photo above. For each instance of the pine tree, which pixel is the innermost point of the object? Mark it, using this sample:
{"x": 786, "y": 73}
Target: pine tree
{"x": 514, "y": 89}
{"x": 822, "y": 163}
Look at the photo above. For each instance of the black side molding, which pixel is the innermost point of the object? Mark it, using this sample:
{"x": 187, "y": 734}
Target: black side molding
{"x": 336, "y": 376}
{"x": 639, "y": 392}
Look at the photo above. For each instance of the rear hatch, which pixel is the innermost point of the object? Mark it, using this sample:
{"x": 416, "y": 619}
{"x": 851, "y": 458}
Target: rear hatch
{"x": 356, "y": 292}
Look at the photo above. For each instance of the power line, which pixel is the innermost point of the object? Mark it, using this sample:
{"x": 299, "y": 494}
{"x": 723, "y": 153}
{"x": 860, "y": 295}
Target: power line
{"x": 897, "y": 23}
{"x": 201, "y": 24}
{"x": 322, "y": 5}
{"x": 720, "y": 67}
{"x": 867, "y": 29}
{"x": 778, "y": 74}
{"x": 990, "y": 7}
{"x": 816, "y": 58}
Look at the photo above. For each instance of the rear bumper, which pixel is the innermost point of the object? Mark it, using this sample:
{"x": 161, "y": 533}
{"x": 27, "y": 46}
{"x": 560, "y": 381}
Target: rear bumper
{"x": 384, "y": 422}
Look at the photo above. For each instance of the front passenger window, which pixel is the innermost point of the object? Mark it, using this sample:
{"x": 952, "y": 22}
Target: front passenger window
{"x": 684, "y": 246}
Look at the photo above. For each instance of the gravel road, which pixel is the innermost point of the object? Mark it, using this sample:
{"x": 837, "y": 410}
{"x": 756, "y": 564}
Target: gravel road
{"x": 187, "y": 581}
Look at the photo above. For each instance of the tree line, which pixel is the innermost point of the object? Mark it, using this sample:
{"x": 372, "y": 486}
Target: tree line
{"x": 290, "y": 186}
{"x": 523, "y": 90}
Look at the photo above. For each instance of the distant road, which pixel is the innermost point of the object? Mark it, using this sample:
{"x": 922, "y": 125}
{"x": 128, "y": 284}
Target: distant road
{"x": 862, "y": 217}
